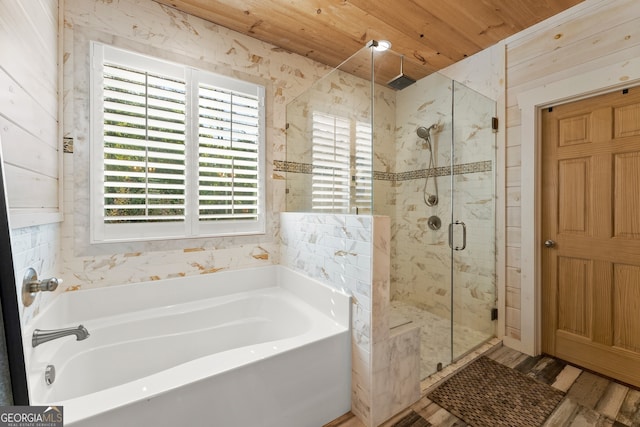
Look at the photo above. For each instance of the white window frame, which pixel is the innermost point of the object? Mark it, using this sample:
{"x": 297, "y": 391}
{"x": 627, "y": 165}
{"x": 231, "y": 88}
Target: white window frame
{"x": 192, "y": 226}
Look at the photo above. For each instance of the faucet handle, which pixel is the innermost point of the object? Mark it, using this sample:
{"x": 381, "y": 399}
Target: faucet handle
{"x": 46, "y": 285}
{"x": 31, "y": 285}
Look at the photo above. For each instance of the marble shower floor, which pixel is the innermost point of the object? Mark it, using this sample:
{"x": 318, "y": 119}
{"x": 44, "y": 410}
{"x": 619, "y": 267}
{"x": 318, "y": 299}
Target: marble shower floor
{"x": 435, "y": 337}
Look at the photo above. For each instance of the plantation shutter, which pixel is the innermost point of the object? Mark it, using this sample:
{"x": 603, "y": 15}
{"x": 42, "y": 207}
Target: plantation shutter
{"x": 177, "y": 152}
{"x": 144, "y": 146}
{"x": 331, "y": 138}
{"x": 364, "y": 167}
{"x": 228, "y": 154}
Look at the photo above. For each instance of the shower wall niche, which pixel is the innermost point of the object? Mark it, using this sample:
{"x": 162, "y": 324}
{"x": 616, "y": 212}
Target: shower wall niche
{"x": 353, "y": 148}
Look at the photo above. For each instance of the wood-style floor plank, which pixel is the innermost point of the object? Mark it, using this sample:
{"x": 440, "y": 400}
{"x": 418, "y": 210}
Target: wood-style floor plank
{"x": 629, "y": 414}
{"x": 588, "y": 389}
{"x": 500, "y": 353}
{"x": 542, "y": 364}
{"x": 611, "y": 402}
{"x": 527, "y": 364}
{"x": 442, "y": 418}
{"x": 551, "y": 371}
{"x": 588, "y": 417}
{"x": 590, "y": 400}
{"x": 566, "y": 378}
{"x": 505, "y": 355}
{"x": 428, "y": 411}
{"x": 563, "y": 414}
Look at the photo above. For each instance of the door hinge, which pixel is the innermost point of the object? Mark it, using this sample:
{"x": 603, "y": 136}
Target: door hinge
{"x": 494, "y": 314}
{"x": 494, "y": 124}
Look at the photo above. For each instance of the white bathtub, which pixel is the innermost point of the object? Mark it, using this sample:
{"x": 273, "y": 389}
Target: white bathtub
{"x": 257, "y": 347}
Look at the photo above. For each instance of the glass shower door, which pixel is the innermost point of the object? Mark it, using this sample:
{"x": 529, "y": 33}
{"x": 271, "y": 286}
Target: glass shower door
{"x": 472, "y": 229}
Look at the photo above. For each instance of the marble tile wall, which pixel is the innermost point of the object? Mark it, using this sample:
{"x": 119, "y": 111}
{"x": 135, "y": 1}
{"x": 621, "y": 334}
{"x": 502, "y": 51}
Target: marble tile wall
{"x": 337, "y": 250}
{"x": 395, "y": 355}
{"x": 421, "y": 257}
{"x": 396, "y": 374}
{"x": 384, "y": 137}
{"x": 37, "y": 247}
{"x": 337, "y": 93}
{"x": 352, "y": 253}
{"x": 333, "y": 248}
{"x": 150, "y": 28}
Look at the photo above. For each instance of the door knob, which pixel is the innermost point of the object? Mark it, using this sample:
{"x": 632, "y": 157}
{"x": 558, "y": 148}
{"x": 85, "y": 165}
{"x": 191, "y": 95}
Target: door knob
{"x": 550, "y": 243}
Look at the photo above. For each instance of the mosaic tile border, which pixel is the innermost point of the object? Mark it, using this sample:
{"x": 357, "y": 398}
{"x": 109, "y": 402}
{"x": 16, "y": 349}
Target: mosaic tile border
{"x": 295, "y": 167}
{"x": 384, "y": 176}
{"x": 461, "y": 169}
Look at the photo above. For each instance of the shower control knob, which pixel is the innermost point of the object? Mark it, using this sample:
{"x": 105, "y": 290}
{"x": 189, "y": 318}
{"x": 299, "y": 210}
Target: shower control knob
{"x": 550, "y": 243}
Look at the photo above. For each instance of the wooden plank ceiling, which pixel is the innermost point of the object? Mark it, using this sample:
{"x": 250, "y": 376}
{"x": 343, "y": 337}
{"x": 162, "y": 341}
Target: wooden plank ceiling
{"x": 431, "y": 34}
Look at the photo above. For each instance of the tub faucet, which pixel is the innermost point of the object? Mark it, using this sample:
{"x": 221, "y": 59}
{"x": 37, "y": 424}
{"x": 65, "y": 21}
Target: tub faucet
{"x": 41, "y": 336}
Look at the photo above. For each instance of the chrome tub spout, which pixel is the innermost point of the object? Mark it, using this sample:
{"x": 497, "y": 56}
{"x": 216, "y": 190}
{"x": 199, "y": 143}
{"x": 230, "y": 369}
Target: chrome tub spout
{"x": 41, "y": 336}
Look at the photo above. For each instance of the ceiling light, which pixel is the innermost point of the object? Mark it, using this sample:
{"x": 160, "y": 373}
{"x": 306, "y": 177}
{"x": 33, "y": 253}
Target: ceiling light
{"x": 379, "y": 45}
{"x": 382, "y": 45}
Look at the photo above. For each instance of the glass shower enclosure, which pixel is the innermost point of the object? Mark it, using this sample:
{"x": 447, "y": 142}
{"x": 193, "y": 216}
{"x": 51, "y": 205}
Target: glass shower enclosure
{"x": 424, "y": 155}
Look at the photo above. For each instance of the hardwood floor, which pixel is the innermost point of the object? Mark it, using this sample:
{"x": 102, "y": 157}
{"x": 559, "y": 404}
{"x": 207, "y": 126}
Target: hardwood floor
{"x": 590, "y": 400}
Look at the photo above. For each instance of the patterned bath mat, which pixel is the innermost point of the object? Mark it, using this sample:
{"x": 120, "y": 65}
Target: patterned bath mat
{"x": 487, "y": 393}
{"x": 412, "y": 419}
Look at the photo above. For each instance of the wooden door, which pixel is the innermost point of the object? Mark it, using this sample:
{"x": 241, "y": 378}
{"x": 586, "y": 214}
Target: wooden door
{"x": 591, "y": 213}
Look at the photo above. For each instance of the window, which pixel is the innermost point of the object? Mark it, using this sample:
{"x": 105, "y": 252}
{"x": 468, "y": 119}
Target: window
{"x": 176, "y": 151}
{"x": 338, "y": 164}
{"x": 331, "y": 142}
{"x": 363, "y": 167}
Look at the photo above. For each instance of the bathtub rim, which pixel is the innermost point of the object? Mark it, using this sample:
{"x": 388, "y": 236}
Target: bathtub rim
{"x": 275, "y": 275}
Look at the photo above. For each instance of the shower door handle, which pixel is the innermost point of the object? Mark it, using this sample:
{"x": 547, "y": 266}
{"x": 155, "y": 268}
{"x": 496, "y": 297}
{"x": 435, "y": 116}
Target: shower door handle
{"x": 464, "y": 236}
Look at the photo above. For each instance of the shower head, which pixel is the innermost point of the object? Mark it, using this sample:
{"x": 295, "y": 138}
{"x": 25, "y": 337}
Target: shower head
{"x": 424, "y": 132}
{"x": 400, "y": 81}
